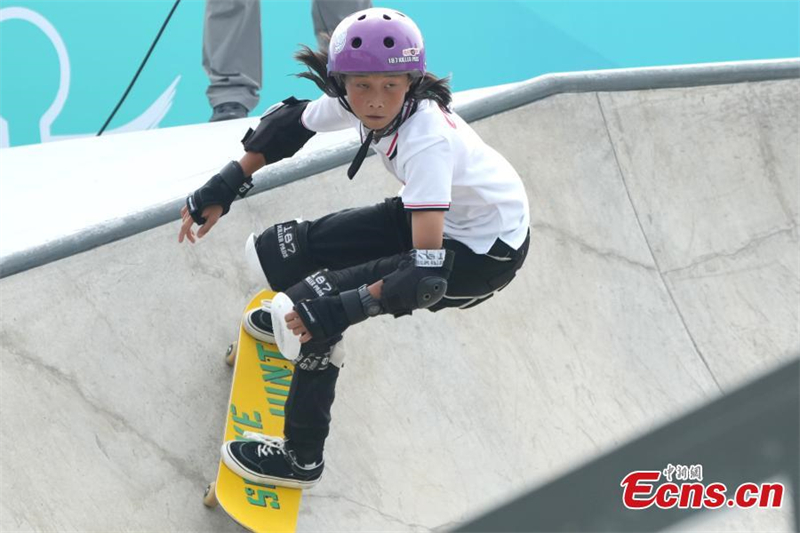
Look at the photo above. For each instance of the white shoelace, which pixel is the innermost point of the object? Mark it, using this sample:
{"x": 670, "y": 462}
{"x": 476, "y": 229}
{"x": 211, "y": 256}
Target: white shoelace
{"x": 271, "y": 445}
{"x": 274, "y": 445}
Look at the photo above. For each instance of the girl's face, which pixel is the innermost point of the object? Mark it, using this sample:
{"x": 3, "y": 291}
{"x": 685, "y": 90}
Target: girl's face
{"x": 376, "y": 98}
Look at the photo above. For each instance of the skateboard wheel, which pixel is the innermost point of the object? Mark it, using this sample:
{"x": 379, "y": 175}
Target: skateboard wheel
{"x": 230, "y": 355}
{"x": 210, "y": 497}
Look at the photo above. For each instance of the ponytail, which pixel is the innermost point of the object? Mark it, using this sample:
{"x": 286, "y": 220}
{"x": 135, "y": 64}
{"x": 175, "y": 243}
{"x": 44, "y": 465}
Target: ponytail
{"x": 317, "y": 64}
{"x": 432, "y": 88}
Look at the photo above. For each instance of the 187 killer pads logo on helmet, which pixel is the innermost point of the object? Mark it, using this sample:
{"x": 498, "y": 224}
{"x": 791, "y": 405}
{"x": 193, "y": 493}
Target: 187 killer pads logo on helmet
{"x": 376, "y": 40}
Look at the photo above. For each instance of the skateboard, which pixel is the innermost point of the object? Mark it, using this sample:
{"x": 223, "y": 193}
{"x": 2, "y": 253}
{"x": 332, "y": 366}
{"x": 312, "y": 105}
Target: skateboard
{"x": 261, "y": 380}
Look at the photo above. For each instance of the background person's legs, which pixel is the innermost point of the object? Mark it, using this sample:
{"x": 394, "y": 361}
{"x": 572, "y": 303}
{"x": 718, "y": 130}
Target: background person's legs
{"x": 232, "y": 49}
{"x": 232, "y": 56}
{"x": 327, "y": 14}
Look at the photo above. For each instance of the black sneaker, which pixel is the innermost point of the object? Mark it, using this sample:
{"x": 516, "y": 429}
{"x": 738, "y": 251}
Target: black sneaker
{"x": 258, "y": 323}
{"x": 228, "y": 111}
{"x": 265, "y": 460}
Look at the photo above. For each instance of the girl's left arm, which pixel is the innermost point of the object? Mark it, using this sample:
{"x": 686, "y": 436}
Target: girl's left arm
{"x": 427, "y": 233}
{"x": 427, "y": 229}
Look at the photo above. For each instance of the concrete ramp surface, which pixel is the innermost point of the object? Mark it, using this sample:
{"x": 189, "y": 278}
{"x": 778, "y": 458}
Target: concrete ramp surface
{"x": 663, "y": 272}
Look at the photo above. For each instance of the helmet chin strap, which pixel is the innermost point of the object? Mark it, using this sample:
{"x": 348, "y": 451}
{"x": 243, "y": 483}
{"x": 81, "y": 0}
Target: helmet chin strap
{"x": 360, "y": 155}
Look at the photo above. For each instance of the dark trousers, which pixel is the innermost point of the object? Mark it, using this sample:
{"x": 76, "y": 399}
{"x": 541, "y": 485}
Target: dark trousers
{"x": 361, "y": 246}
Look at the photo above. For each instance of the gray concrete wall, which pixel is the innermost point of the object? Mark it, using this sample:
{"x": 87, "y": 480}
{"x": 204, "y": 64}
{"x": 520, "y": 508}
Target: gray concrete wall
{"x": 663, "y": 272}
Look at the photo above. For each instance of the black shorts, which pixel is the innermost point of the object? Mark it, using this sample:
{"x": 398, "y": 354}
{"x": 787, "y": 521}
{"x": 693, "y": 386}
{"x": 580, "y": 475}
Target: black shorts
{"x": 362, "y": 245}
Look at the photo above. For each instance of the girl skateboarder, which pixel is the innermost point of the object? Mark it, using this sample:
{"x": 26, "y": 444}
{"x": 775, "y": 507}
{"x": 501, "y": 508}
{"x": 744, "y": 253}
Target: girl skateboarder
{"x": 456, "y": 234}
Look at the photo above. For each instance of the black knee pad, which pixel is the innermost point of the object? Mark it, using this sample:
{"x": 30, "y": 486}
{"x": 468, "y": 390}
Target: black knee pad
{"x": 283, "y": 253}
{"x": 315, "y": 356}
{"x": 316, "y": 285}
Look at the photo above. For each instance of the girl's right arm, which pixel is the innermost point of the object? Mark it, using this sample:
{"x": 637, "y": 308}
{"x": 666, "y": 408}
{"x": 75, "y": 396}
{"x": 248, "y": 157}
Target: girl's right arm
{"x": 280, "y": 134}
{"x": 251, "y": 161}
{"x": 283, "y": 129}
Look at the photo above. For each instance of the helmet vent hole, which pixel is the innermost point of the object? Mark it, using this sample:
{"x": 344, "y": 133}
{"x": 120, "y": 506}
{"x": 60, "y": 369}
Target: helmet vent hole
{"x": 356, "y": 42}
{"x": 388, "y": 42}
{"x": 400, "y": 14}
{"x": 387, "y": 17}
{"x": 362, "y": 17}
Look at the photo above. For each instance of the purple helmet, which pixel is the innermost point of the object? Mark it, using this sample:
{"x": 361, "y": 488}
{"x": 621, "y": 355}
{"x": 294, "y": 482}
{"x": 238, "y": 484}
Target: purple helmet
{"x": 376, "y": 40}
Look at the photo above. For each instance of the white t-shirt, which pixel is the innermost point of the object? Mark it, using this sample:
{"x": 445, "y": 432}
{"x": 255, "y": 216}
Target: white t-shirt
{"x": 443, "y": 165}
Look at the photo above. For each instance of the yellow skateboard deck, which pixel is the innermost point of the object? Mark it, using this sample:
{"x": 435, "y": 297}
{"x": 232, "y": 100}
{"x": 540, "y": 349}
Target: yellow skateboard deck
{"x": 261, "y": 380}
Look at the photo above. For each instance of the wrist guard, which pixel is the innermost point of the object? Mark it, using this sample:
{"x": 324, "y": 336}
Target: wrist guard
{"x": 328, "y": 317}
{"x": 221, "y": 189}
{"x": 323, "y": 317}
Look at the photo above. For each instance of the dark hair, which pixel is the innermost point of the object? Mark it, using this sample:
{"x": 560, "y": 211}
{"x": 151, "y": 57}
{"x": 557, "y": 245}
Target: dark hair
{"x": 429, "y": 87}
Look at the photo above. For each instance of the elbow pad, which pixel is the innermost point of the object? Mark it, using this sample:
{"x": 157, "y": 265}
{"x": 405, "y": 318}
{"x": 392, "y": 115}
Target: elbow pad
{"x": 280, "y": 134}
{"x": 419, "y": 281}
